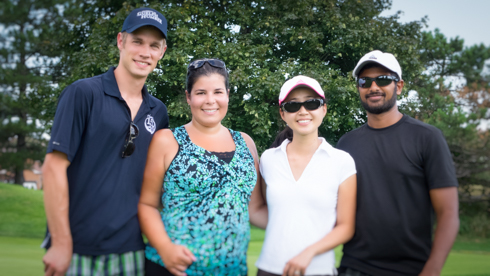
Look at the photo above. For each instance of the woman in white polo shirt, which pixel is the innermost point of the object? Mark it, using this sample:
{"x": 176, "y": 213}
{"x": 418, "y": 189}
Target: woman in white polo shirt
{"x": 308, "y": 187}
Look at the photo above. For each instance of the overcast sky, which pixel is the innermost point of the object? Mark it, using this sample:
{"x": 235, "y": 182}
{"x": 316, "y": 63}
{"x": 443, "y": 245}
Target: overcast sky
{"x": 468, "y": 19}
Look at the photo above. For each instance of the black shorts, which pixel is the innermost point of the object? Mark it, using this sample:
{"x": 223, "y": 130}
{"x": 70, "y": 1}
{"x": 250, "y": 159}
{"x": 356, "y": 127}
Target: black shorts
{"x": 154, "y": 269}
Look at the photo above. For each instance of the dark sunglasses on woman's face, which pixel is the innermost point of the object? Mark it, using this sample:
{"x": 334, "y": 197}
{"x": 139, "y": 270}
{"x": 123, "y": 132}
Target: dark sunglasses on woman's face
{"x": 312, "y": 104}
{"x": 200, "y": 62}
{"x": 129, "y": 146}
{"x": 381, "y": 81}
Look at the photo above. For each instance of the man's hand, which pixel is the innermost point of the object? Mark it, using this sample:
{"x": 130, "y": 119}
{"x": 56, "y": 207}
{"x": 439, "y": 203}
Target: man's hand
{"x": 57, "y": 260}
{"x": 177, "y": 258}
{"x": 445, "y": 203}
{"x": 56, "y": 204}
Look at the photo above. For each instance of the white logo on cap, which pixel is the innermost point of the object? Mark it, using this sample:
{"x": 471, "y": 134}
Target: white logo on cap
{"x": 149, "y": 14}
{"x": 150, "y": 124}
{"x": 372, "y": 57}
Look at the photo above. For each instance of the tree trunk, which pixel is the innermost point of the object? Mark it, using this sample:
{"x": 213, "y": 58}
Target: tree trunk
{"x": 19, "y": 167}
{"x": 19, "y": 175}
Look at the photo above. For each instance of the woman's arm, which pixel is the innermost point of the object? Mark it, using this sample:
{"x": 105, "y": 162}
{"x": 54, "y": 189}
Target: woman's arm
{"x": 162, "y": 150}
{"x": 257, "y": 207}
{"x": 341, "y": 233}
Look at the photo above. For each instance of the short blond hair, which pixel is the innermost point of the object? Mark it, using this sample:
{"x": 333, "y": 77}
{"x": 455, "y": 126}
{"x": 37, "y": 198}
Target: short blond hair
{"x": 124, "y": 36}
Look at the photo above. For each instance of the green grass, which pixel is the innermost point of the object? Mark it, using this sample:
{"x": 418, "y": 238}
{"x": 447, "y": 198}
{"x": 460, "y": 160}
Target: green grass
{"x": 469, "y": 257}
{"x": 467, "y": 263}
{"x": 21, "y": 212}
{"x": 472, "y": 244}
{"x": 21, "y": 256}
{"x": 22, "y": 226}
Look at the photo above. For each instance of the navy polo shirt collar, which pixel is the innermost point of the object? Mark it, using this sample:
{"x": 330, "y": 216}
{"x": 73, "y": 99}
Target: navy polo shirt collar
{"x": 111, "y": 88}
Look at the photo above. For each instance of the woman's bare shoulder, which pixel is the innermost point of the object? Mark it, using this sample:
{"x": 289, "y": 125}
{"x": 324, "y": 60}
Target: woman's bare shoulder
{"x": 164, "y": 139}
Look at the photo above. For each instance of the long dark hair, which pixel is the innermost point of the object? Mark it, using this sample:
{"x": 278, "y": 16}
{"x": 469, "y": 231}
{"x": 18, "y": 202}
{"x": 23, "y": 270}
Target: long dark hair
{"x": 286, "y": 133}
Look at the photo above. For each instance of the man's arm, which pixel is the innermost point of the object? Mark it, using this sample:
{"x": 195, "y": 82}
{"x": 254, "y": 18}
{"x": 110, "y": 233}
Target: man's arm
{"x": 445, "y": 203}
{"x": 56, "y": 202}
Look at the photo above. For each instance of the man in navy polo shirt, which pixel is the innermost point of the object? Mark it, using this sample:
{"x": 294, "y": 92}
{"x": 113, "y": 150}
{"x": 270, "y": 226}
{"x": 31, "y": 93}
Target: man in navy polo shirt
{"x": 96, "y": 157}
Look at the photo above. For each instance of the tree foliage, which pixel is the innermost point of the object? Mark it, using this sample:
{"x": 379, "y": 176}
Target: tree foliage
{"x": 37, "y": 40}
{"x": 453, "y": 94}
{"x": 28, "y": 61}
{"x": 262, "y": 43}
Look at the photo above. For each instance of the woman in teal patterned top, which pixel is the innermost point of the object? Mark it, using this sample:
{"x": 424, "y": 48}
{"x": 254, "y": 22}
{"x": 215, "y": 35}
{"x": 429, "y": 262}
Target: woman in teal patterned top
{"x": 207, "y": 173}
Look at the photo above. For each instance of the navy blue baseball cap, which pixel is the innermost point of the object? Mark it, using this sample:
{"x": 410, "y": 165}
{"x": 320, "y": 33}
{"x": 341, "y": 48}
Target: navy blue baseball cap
{"x": 145, "y": 17}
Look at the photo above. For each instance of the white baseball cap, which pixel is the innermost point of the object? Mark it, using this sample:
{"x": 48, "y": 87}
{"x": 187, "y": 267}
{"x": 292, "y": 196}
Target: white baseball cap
{"x": 300, "y": 81}
{"x": 384, "y": 59}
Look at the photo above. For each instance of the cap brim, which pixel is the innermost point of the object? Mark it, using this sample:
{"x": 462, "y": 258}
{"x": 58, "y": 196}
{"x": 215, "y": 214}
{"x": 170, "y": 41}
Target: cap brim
{"x": 359, "y": 67}
{"x": 298, "y": 86}
{"x": 134, "y": 28}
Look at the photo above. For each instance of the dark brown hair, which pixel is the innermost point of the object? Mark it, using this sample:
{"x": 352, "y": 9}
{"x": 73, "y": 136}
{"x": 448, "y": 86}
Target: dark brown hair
{"x": 206, "y": 70}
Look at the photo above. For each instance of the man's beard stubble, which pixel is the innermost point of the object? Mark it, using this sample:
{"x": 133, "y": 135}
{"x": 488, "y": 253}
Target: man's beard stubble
{"x": 386, "y": 106}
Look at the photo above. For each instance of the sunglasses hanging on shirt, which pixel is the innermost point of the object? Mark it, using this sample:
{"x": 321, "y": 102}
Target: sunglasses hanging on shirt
{"x": 129, "y": 145}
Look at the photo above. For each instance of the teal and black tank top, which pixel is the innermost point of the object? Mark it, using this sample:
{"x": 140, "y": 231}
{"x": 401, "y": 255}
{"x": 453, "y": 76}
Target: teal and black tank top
{"x": 205, "y": 206}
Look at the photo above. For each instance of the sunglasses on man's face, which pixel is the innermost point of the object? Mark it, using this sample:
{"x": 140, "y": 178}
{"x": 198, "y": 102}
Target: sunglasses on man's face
{"x": 129, "y": 145}
{"x": 312, "y": 104}
{"x": 381, "y": 81}
{"x": 200, "y": 62}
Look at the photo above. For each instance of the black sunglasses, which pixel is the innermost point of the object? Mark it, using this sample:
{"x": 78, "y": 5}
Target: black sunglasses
{"x": 129, "y": 145}
{"x": 381, "y": 81}
{"x": 312, "y": 104}
{"x": 198, "y": 63}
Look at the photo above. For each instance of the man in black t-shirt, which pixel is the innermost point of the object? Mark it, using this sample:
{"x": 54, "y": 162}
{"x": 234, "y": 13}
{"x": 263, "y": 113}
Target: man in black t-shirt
{"x": 405, "y": 174}
{"x": 95, "y": 160}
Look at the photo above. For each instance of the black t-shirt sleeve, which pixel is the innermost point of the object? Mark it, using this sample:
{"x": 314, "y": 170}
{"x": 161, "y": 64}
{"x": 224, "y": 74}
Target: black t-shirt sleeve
{"x": 70, "y": 119}
{"x": 438, "y": 162}
{"x": 343, "y": 143}
{"x": 340, "y": 143}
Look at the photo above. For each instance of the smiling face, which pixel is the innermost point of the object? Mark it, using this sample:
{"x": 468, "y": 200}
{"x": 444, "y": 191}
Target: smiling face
{"x": 304, "y": 122}
{"x": 208, "y": 100}
{"x": 140, "y": 51}
{"x": 376, "y": 99}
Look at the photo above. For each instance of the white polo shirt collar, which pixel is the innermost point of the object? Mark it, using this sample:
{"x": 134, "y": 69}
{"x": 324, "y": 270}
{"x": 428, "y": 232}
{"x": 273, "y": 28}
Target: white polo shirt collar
{"x": 324, "y": 146}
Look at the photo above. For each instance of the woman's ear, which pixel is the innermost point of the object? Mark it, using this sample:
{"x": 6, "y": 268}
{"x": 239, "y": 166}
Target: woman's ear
{"x": 188, "y": 97}
{"x": 281, "y": 112}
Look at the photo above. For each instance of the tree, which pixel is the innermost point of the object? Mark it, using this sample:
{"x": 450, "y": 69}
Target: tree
{"x": 28, "y": 55}
{"x": 262, "y": 42}
{"x": 453, "y": 94}
{"x": 37, "y": 40}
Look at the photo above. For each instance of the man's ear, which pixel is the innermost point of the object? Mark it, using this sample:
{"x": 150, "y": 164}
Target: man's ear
{"x": 120, "y": 43}
{"x": 164, "y": 50}
{"x": 399, "y": 87}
